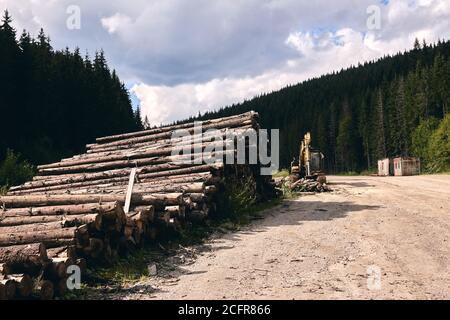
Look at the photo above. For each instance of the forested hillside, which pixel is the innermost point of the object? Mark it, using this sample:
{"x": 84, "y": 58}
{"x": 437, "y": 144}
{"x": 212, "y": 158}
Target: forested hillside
{"x": 54, "y": 102}
{"x": 366, "y": 112}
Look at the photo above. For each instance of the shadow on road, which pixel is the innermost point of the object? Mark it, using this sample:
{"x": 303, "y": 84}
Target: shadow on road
{"x": 295, "y": 212}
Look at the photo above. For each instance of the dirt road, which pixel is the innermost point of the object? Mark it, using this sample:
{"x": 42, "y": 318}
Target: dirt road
{"x": 372, "y": 238}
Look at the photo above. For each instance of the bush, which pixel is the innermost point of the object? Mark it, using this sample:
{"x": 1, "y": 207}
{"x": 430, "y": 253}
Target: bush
{"x": 430, "y": 142}
{"x": 421, "y": 140}
{"x": 439, "y": 147}
{"x": 14, "y": 171}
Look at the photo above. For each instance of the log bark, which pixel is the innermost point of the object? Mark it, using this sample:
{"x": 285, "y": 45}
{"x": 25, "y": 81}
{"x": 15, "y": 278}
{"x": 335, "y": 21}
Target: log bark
{"x": 77, "y": 209}
{"x": 206, "y": 177}
{"x": 122, "y": 175}
{"x": 17, "y": 256}
{"x": 2, "y": 292}
{"x": 147, "y": 211}
{"x": 48, "y": 237}
{"x": 62, "y": 252}
{"x": 176, "y": 211}
{"x": 24, "y": 284}
{"x": 231, "y": 123}
{"x": 7, "y": 223}
{"x": 197, "y": 197}
{"x": 34, "y": 227}
{"x": 93, "y": 220}
{"x": 42, "y": 200}
{"x": 135, "y": 153}
{"x": 45, "y": 289}
{"x": 195, "y": 187}
{"x": 41, "y": 223}
{"x": 95, "y": 248}
{"x": 107, "y": 139}
{"x": 8, "y": 288}
{"x": 197, "y": 138}
{"x": 131, "y": 160}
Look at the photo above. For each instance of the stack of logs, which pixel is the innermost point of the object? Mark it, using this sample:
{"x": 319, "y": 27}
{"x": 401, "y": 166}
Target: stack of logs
{"x": 73, "y": 211}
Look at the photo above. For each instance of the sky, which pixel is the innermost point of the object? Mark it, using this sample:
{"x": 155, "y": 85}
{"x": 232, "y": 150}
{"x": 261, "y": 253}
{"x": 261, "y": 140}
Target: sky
{"x": 179, "y": 57}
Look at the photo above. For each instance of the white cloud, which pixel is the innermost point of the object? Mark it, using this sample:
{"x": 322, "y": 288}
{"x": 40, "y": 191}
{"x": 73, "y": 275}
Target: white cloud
{"x": 317, "y": 53}
{"x": 181, "y": 57}
{"x": 115, "y": 22}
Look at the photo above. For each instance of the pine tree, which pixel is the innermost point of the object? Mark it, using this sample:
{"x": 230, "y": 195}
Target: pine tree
{"x": 138, "y": 119}
{"x": 380, "y": 127}
{"x": 146, "y": 123}
{"x": 400, "y": 105}
{"x": 416, "y": 44}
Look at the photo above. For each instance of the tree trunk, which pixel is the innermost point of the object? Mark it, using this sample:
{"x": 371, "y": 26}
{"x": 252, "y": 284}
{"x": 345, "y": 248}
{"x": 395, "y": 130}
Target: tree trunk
{"x": 17, "y": 255}
{"x": 232, "y": 123}
{"x": 7, "y": 289}
{"x": 24, "y": 284}
{"x": 42, "y": 200}
{"x": 76, "y": 209}
{"x": 48, "y": 237}
{"x": 107, "y": 139}
{"x": 45, "y": 289}
{"x": 141, "y": 158}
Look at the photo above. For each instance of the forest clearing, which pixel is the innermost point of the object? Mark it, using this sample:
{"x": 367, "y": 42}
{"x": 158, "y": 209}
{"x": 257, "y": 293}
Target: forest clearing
{"x": 320, "y": 247}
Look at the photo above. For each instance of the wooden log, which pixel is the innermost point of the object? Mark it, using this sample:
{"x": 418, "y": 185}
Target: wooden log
{"x": 226, "y": 133}
{"x": 121, "y": 175}
{"x": 196, "y": 187}
{"x": 60, "y": 287}
{"x": 176, "y": 211}
{"x": 2, "y": 292}
{"x": 198, "y": 206}
{"x": 95, "y": 248}
{"x": 209, "y": 190}
{"x": 168, "y": 128}
{"x": 4, "y": 269}
{"x": 77, "y": 209}
{"x": 34, "y": 253}
{"x": 205, "y": 177}
{"x": 29, "y": 228}
{"x": 138, "y": 189}
{"x": 194, "y": 169}
{"x": 40, "y": 223}
{"x": 163, "y": 217}
{"x": 57, "y": 269}
{"x": 132, "y": 160}
{"x": 82, "y": 264}
{"x": 44, "y": 289}
{"x": 48, "y": 237}
{"x": 62, "y": 252}
{"x": 194, "y": 158}
{"x": 147, "y": 211}
{"x": 8, "y": 288}
{"x": 24, "y": 284}
{"x": 170, "y": 153}
{"x": 250, "y": 120}
{"x": 40, "y": 200}
{"x": 35, "y": 221}
{"x": 197, "y": 197}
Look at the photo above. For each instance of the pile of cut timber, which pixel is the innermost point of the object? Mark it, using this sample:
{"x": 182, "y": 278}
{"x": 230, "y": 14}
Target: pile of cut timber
{"x": 125, "y": 189}
{"x": 309, "y": 185}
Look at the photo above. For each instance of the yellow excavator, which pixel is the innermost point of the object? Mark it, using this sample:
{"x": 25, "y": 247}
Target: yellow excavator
{"x": 310, "y": 163}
